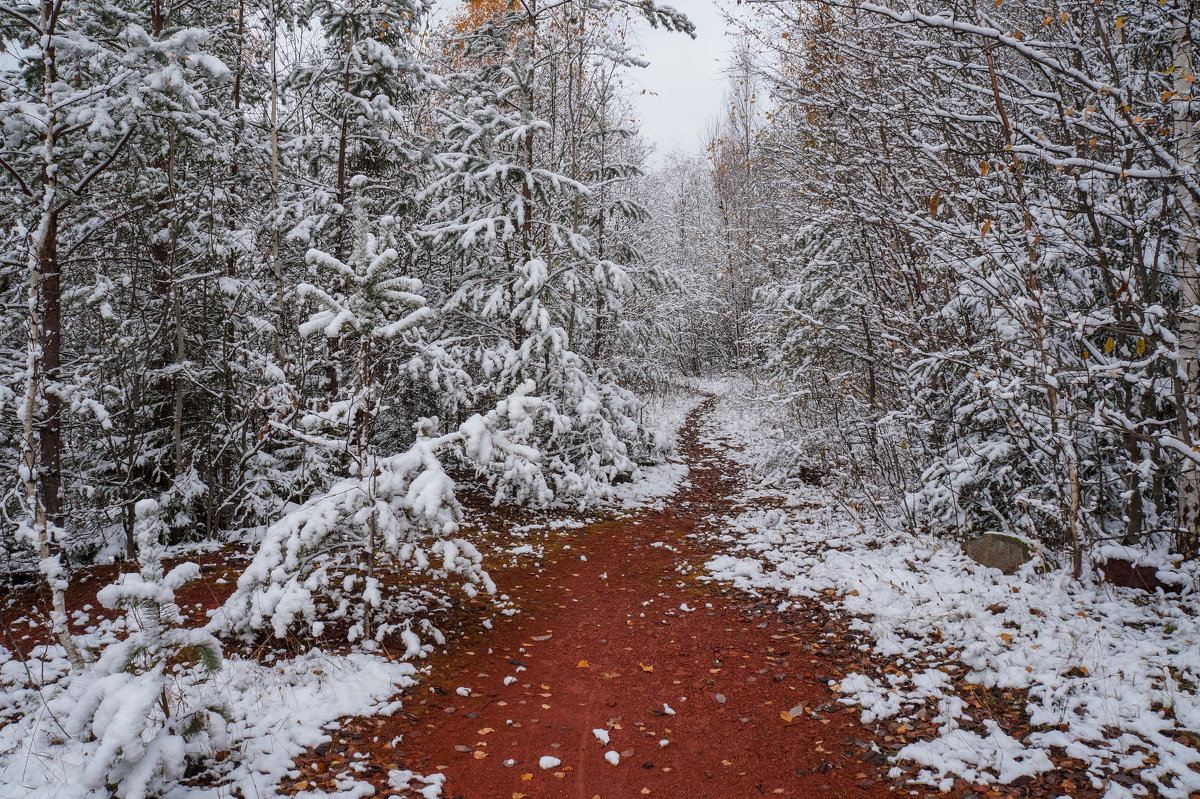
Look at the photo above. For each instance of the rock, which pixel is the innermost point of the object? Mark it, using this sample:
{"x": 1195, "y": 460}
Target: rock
{"x": 995, "y": 551}
{"x": 720, "y": 698}
{"x": 1125, "y": 573}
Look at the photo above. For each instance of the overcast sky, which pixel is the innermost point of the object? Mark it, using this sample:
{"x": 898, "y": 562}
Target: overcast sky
{"x": 684, "y": 83}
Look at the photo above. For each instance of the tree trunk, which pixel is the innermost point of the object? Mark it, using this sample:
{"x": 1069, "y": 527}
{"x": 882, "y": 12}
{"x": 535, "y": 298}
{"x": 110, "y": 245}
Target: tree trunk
{"x": 1187, "y": 540}
{"x": 41, "y": 433}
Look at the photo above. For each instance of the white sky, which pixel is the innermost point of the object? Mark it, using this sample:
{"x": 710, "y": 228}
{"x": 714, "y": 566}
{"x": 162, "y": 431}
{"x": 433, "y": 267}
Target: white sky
{"x": 685, "y": 83}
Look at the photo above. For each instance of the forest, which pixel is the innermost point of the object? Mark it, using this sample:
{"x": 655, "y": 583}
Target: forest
{"x": 348, "y": 344}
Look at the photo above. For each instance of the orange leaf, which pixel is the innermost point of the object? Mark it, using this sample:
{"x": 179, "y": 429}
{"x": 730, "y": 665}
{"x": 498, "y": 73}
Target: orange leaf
{"x": 583, "y": 664}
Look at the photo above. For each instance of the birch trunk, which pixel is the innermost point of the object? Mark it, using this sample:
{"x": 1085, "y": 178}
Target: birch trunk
{"x": 40, "y": 439}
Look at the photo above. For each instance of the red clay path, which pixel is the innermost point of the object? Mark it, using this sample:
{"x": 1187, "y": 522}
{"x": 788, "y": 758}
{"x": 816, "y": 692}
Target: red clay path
{"x": 604, "y": 643}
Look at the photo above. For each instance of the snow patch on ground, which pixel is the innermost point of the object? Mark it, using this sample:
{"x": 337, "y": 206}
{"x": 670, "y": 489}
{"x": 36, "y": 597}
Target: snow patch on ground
{"x": 274, "y": 714}
{"x": 1110, "y": 673}
{"x": 656, "y": 484}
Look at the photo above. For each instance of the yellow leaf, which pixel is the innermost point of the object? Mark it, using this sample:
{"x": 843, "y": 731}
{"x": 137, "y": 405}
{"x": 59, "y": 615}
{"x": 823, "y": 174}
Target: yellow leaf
{"x": 583, "y": 664}
{"x": 526, "y": 777}
{"x": 644, "y": 667}
{"x": 787, "y": 717}
{"x": 1006, "y": 637}
{"x": 1120, "y": 22}
{"x": 486, "y": 730}
{"x": 479, "y": 755}
{"x": 1109, "y": 345}
{"x": 983, "y": 167}
{"x": 1141, "y": 346}
{"x": 986, "y": 227}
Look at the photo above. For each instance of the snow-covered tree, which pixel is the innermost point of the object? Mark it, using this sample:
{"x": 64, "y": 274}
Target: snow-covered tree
{"x": 142, "y": 706}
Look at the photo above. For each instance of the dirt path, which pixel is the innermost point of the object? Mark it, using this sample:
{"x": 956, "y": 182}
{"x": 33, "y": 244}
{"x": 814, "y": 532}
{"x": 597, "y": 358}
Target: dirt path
{"x": 610, "y": 636}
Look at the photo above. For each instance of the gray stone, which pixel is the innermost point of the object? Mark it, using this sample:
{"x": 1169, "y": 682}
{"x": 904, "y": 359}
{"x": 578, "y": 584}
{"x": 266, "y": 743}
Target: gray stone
{"x": 995, "y": 551}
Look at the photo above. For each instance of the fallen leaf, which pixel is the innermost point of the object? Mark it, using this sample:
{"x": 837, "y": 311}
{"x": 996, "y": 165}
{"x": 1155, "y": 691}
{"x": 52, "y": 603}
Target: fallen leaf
{"x": 787, "y": 717}
{"x": 526, "y": 777}
{"x": 302, "y": 785}
{"x": 486, "y": 730}
{"x": 644, "y": 667}
{"x": 583, "y": 664}
{"x": 480, "y": 755}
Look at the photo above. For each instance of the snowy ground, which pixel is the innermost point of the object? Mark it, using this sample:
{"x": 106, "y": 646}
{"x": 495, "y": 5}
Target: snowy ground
{"x": 272, "y": 714}
{"x": 1110, "y": 674}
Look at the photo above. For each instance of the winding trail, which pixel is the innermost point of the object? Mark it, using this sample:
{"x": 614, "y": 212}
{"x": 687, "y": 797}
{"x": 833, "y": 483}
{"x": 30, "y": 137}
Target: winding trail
{"x": 611, "y": 633}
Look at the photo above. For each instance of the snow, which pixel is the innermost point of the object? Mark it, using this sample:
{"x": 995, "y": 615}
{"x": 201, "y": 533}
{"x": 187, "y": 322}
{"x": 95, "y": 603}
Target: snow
{"x": 601, "y": 736}
{"x": 612, "y": 757}
{"x": 548, "y": 762}
{"x": 274, "y": 713}
{"x": 1108, "y": 674}
{"x": 994, "y": 758}
{"x": 401, "y": 780}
